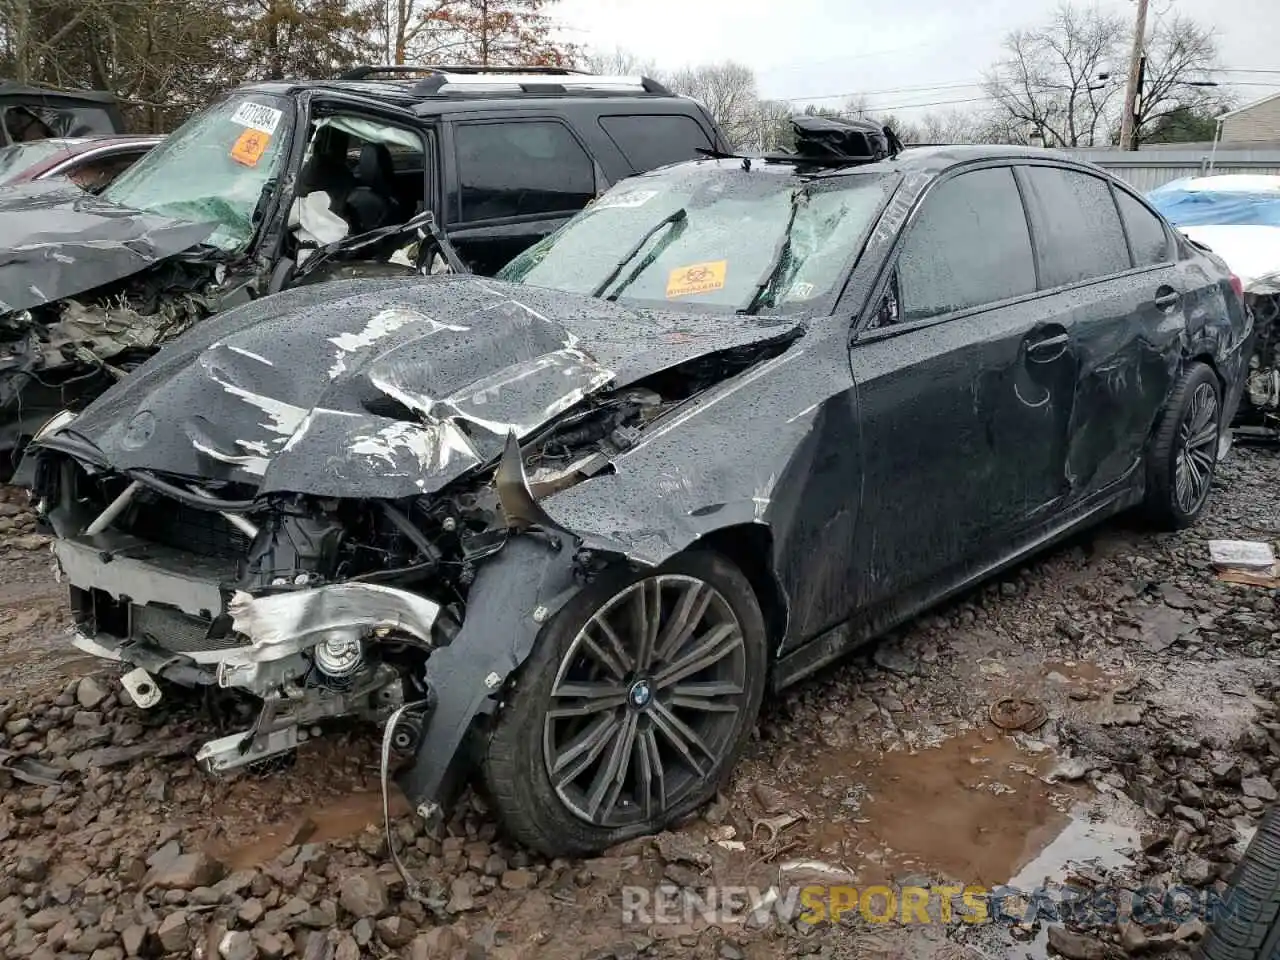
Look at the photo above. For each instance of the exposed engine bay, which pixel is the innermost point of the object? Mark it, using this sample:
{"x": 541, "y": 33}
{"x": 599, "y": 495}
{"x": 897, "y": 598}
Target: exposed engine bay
{"x": 1260, "y": 405}
{"x": 320, "y": 607}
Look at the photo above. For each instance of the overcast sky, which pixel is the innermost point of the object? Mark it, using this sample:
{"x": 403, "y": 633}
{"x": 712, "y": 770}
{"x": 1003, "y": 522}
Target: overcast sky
{"x": 811, "y": 48}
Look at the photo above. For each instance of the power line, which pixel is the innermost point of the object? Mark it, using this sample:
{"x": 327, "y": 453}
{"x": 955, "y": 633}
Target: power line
{"x": 871, "y": 93}
{"x": 933, "y": 103}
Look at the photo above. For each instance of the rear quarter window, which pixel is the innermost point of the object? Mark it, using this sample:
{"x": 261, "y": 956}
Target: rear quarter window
{"x": 654, "y": 141}
{"x": 1078, "y": 231}
{"x": 1147, "y": 237}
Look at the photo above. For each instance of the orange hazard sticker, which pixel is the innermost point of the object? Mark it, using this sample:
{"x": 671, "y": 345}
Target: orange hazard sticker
{"x": 697, "y": 278}
{"x": 250, "y": 146}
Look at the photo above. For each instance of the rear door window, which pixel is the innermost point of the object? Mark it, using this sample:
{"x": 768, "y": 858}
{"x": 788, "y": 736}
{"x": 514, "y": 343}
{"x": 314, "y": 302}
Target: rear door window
{"x": 969, "y": 246}
{"x": 1078, "y": 231}
{"x": 521, "y": 168}
{"x": 654, "y": 141}
{"x": 1147, "y": 237}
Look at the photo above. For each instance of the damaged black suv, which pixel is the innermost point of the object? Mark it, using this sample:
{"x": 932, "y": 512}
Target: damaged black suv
{"x": 281, "y": 184}
{"x": 736, "y": 417}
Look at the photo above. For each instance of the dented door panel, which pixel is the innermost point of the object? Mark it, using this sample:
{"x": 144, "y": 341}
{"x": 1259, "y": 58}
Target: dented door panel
{"x": 1128, "y": 349}
{"x": 961, "y": 425}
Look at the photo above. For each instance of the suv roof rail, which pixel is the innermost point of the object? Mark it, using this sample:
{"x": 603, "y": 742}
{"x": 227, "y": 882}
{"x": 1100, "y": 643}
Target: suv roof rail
{"x": 515, "y": 79}
{"x": 365, "y": 70}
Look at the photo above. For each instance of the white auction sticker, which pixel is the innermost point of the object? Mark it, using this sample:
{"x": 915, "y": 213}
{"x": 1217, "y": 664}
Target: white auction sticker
{"x": 257, "y": 116}
{"x": 628, "y": 200}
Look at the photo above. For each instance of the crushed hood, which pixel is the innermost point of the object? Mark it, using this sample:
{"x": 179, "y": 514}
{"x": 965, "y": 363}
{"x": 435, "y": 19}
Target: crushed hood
{"x": 59, "y": 241}
{"x": 386, "y": 388}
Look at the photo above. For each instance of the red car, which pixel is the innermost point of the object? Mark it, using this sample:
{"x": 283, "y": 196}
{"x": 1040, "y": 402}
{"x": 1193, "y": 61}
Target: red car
{"x": 92, "y": 162}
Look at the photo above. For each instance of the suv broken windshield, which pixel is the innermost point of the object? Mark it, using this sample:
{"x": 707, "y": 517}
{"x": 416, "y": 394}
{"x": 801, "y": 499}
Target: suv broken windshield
{"x": 213, "y": 168}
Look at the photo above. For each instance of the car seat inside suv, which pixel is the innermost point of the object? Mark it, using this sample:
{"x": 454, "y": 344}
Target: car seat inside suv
{"x": 373, "y": 203}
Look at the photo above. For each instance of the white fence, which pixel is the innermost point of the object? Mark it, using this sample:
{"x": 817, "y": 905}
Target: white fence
{"x": 1147, "y": 169}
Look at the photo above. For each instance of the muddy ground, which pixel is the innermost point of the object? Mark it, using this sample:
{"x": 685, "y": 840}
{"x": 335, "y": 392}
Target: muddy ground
{"x": 1156, "y": 682}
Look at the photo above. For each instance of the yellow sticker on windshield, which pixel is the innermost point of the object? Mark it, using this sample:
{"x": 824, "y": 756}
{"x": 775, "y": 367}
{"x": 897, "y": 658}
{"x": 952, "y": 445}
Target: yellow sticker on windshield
{"x": 697, "y": 278}
{"x": 250, "y": 146}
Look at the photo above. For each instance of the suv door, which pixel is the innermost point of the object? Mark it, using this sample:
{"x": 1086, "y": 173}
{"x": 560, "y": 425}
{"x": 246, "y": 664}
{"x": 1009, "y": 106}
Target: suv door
{"x": 964, "y": 391}
{"x": 375, "y": 163}
{"x": 516, "y": 180}
{"x": 1112, "y": 283}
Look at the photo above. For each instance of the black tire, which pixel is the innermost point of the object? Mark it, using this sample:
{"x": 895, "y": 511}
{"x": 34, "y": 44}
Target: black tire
{"x": 1165, "y": 505}
{"x": 515, "y": 764}
{"x": 1249, "y": 925}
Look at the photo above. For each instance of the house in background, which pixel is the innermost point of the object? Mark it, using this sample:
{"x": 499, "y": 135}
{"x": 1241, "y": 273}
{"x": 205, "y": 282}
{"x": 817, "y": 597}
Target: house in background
{"x": 1252, "y": 123}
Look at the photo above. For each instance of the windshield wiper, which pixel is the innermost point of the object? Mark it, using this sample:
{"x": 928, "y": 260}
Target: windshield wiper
{"x": 781, "y": 254}
{"x": 676, "y": 216}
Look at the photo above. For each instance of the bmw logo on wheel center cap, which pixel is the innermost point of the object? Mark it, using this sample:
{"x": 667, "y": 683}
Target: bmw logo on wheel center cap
{"x": 641, "y": 694}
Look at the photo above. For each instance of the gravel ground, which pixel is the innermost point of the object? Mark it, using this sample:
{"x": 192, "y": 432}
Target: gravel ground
{"x": 1157, "y": 684}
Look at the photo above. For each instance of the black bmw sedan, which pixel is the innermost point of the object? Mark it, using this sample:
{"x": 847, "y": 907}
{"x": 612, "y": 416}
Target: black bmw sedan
{"x": 735, "y": 418}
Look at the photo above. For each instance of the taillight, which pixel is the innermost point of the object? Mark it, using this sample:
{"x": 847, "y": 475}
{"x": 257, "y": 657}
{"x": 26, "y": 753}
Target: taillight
{"x": 1237, "y": 286}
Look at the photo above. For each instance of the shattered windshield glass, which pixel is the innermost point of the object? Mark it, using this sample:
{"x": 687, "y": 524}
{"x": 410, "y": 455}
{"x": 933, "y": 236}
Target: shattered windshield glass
{"x": 213, "y": 168}
{"x": 714, "y": 235}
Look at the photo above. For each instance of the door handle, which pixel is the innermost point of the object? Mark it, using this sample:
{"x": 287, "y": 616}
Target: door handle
{"x": 1049, "y": 348}
{"x": 1167, "y": 298}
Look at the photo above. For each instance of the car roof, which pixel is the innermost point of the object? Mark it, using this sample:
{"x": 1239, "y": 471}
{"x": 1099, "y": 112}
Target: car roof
{"x": 402, "y": 93}
{"x": 927, "y": 160}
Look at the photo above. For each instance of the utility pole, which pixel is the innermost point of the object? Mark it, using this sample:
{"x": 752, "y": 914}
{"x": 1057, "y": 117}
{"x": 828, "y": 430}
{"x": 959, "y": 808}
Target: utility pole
{"x": 1131, "y": 92}
{"x": 1140, "y": 104}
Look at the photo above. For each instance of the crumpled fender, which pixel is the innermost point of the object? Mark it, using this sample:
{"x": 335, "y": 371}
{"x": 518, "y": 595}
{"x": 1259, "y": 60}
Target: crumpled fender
{"x": 683, "y": 481}
{"x": 515, "y": 592}
{"x": 717, "y": 465}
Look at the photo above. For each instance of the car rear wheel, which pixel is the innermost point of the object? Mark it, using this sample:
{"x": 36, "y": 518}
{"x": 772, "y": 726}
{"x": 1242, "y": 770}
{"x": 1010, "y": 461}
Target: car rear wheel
{"x": 632, "y": 708}
{"x": 1248, "y": 928}
{"x": 1184, "y": 454}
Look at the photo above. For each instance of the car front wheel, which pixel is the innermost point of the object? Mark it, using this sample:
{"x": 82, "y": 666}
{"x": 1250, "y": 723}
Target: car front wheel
{"x": 1184, "y": 453}
{"x": 632, "y": 708}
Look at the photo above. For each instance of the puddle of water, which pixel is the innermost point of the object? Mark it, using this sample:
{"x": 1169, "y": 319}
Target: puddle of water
{"x": 971, "y": 808}
{"x": 345, "y": 817}
{"x": 1086, "y": 838}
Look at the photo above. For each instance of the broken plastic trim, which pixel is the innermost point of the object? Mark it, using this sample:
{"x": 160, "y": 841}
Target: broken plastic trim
{"x": 282, "y": 624}
{"x": 424, "y": 224}
{"x": 519, "y": 507}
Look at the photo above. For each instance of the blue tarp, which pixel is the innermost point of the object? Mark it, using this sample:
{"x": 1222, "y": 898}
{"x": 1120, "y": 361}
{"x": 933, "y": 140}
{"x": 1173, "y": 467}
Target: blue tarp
{"x": 1201, "y": 208}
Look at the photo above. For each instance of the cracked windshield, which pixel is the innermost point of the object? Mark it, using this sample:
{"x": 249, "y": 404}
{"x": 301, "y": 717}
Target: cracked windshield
{"x": 723, "y": 239}
{"x": 213, "y": 168}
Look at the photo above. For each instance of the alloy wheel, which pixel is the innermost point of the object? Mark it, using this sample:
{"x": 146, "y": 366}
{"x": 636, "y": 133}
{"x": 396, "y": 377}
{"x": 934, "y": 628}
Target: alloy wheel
{"x": 1197, "y": 449}
{"x": 645, "y": 701}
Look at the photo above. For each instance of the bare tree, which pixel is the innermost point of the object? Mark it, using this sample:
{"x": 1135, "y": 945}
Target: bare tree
{"x": 618, "y": 62}
{"x": 1049, "y": 82}
{"x": 856, "y": 108}
{"x": 950, "y": 126}
{"x": 728, "y": 91}
{"x": 412, "y": 29}
{"x": 774, "y": 131}
{"x": 1179, "y": 54}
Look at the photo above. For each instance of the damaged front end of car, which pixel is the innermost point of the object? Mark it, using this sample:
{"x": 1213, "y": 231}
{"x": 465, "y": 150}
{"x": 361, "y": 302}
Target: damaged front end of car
{"x": 360, "y": 535}
{"x": 1259, "y": 412}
